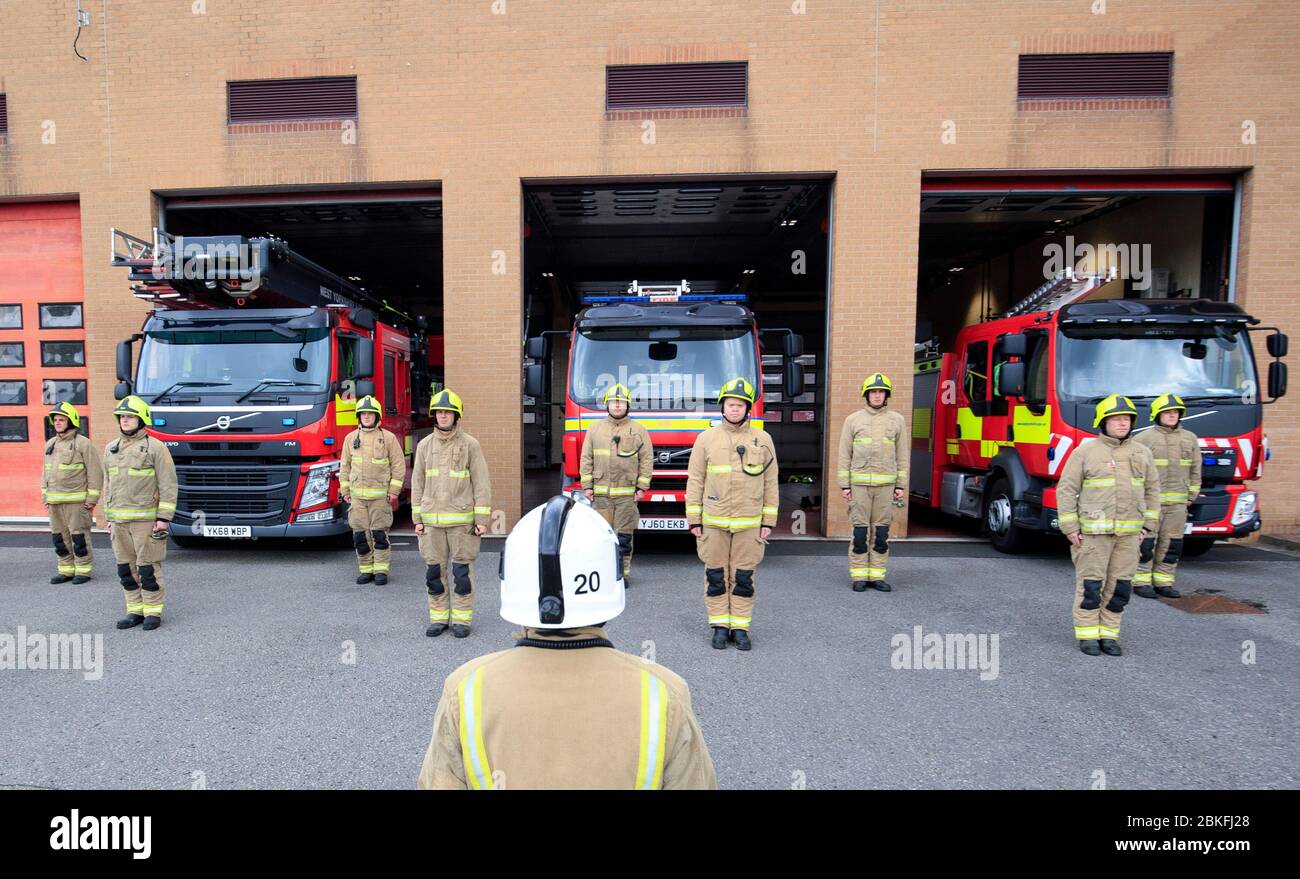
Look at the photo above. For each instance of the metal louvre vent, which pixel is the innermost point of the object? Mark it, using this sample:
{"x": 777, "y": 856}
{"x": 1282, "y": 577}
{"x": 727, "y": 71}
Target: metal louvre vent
{"x": 655, "y": 86}
{"x": 1095, "y": 76}
{"x": 284, "y": 100}
{"x": 4, "y": 115}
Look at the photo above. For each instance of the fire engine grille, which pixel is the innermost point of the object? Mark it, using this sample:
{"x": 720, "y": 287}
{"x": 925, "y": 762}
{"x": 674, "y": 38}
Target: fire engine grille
{"x": 248, "y": 493}
{"x": 228, "y": 505}
{"x": 219, "y": 478}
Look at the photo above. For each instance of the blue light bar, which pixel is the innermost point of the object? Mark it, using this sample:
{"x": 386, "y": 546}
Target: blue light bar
{"x": 329, "y": 441}
{"x": 288, "y": 422}
{"x": 689, "y": 297}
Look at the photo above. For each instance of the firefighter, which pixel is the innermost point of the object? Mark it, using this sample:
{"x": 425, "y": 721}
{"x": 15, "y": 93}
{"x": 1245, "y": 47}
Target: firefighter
{"x": 71, "y": 481}
{"x": 872, "y": 474}
{"x": 562, "y": 708}
{"x": 1108, "y": 504}
{"x": 1178, "y": 460}
{"x": 370, "y": 480}
{"x": 731, "y": 506}
{"x": 617, "y": 460}
{"x": 451, "y": 504}
{"x": 139, "y": 501}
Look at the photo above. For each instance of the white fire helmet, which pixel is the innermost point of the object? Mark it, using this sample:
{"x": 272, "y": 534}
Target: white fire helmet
{"x": 561, "y": 568}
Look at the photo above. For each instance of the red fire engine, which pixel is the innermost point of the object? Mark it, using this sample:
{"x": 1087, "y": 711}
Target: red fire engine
{"x": 674, "y": 350}
{"x": 253, "y": 363}
{"x": 995, "y": 419}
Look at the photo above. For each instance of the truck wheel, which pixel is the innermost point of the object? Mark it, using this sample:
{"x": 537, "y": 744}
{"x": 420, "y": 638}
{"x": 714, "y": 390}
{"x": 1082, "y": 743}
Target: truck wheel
{"x": 187, "y": 541}
{"x": 1003, "y": 532}
{"x": 1194, "y": 546}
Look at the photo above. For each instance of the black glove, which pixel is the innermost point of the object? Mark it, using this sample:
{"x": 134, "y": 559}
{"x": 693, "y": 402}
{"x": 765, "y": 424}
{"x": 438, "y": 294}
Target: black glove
{"x": 1146, "y": 549}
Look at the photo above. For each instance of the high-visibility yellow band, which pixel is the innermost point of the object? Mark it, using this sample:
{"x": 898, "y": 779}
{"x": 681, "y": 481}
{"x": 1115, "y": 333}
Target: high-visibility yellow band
{"x": 458, "y": 474}
{"x": 719, "y": 468}
{"x": 463, "y": 616}
{"x": 369, "y": 493}
{"x": 1105, "y": 632}
{"x": 1099, "y": 482}
{"x": 477, "y": 769}
{"x": 64, "y": 497}
{"x": 1086, "y": 633}
{"x": 447, "y": 518}
{"x": 166, "y": 505}
{"x": 139, "y": 471}
{"x": 621, "y": 491}
{"x": 482, "y": 511}
{"x": 874, "y": 478}
{"x": 439, "y": 616}
{"x": 76, "y": 466}
{"x": 769, "y": 511}
{"x": 125, "y": 514}
{"x": 643, "y": 482}
{"x": 378, "y": 460}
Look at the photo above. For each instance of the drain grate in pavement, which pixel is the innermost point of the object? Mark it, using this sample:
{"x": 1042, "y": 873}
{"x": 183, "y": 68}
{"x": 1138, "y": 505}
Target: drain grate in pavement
{"x": 1212, "y": 601}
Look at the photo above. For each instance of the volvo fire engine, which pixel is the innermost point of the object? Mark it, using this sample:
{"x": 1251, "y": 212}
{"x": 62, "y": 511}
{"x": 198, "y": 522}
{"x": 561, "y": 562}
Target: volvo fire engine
{"x": 674, "y": 350}
{"x": 996, "y": 418}
{"x": 252, "y": 361}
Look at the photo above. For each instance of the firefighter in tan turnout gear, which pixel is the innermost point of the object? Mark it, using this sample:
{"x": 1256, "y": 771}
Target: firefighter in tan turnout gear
{"x": 371, "y": 474}
{"x": 731, "y": 506}
{"x": 451, "y": 505}
{"x": 563, "y": 708}
{"x": 1178, "y": 460}
{"x": 71, "y": 482}
{"x": 139, "y": 501}
{"x": 1108, "y": 503}
{"x": 617, "y": 461}
{"x": 872, "y": 475}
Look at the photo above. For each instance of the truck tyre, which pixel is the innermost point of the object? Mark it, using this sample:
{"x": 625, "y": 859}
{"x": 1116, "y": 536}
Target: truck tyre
{"x": 1005, "y": 535}
{"x": 1194, "y": 546}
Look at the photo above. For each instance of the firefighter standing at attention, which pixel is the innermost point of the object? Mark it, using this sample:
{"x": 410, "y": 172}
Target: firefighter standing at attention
{"x": 731, "y": 505}
{"x": 139, "y": 500}
{"x": 617, "y": 461}
{"x": 371, "y": 474}
{"x": 71, "y": 482}
{"x": 1107, "y": 504}
{"x": 872, "y": 474}
{"x": 451, "y": 505}
{"x": 1178, "y": 459}
{"x": 563, "y": 708}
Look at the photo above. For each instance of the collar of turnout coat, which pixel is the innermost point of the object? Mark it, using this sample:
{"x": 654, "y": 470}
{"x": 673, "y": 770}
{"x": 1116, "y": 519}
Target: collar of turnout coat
{"x": 565, "y": 639}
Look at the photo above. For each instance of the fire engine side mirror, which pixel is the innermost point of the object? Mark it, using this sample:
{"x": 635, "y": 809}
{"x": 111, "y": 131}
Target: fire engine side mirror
{"x": 1276, "y": 343}
{"x": 535, "y": 381}
{"x": 1276, "y": 379}
{"x": 365, "y": 365}
{"x": 536, "y": 348}
{"x": 124, "y": 361}
{"x": 1015, "y": 345}
{"x": 123, "y": 389}
{"x": 793, "y": 379}
{"x": 365, "y": 388}
{"x": 794, "y": 348}
{"x": 1011, "y": 379}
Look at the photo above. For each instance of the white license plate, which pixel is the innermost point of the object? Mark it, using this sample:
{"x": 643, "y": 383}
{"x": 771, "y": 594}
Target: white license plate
{"x": 673, "y": 524}
{"x": 1187, "y": 529}
{"x": 227, "y": 530}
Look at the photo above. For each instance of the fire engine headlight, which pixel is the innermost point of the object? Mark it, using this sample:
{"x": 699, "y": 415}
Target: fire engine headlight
{"x": 317, "y": 490}
{"x": 1245, "y": 509}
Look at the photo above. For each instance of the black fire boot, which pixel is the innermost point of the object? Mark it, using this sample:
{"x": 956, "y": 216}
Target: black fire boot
{"x": 881, "y": 585}
{"x": 152, "y": 622}
{"x": 460, "y": 631}
{"x": 741, "y": 637}
{"x": 1110, "y": 647}
{"x": 435, "y": 629}
{"x": 60, "y": 578}
{"x": 381, "y": 579}
{"x": 79, "y": 579}
{"x": 1090, "y": 647}
{"x": 130, "y": 620}
{"x": 365, "y": 578}
{"x": 719, "y": 637}
{"x": 859, "y": 585}
{"x": 1144, "y": 591}
{"x": 1162, "y": 591}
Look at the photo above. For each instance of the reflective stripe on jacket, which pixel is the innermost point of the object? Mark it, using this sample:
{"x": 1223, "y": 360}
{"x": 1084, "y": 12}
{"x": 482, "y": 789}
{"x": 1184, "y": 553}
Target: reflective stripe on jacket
{"x": 449, "y": 481}
{"x": 1177, "y": 457}
{"x": 874, "y": 449}
{"x": 373, "y": 469}
{"x": 73, "y": 472}
{"x": 139, "y": 479}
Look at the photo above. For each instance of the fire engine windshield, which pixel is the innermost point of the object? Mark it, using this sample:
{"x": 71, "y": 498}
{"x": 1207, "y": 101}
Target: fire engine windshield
{"x": 685, "y": 369}
{"x": 1213, "y": 363}
{"x": 235, "y": 361}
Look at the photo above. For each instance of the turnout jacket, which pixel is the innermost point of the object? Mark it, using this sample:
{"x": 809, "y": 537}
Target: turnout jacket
{"x": 617, "y": 458}
{"x": 1178, "y": 459}
{"x": 874, "y": 448}
{"x": 1109, "y": 486}
{"x": 139, "y": 479}
{"x": 373, "y": 464}
{"x": 449, "y": 481}
{"x": 728, "y": 490}
{"x": 73, "y": 472}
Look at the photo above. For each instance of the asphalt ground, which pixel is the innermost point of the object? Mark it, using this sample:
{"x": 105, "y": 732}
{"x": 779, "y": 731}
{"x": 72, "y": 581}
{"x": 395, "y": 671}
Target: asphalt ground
{"x": 274, "y": 670}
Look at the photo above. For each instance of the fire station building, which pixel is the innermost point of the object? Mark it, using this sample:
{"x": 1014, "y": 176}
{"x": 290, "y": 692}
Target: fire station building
{"x": 873, "y": 175}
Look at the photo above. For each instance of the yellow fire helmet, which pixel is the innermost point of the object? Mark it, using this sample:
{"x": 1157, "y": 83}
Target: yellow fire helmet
{"x": 738, "y": 388}
{"x": 1165, "y": 403}
{"x": 878, "y": 382}
{"x": 369, "y": 404}
{"x": 448, "y": 400}
{"x": 618, "y": 392}
{"x": 1115, "y": 404}
{"x": 133, "y": 405}
{"x": 67, "y": 410}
